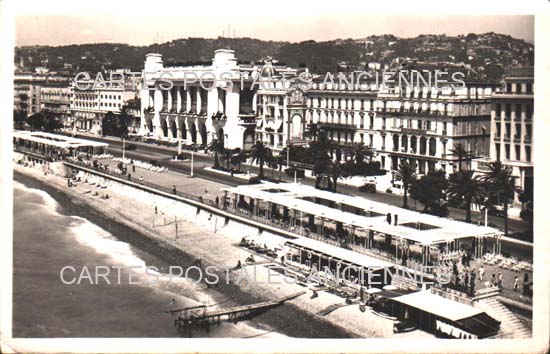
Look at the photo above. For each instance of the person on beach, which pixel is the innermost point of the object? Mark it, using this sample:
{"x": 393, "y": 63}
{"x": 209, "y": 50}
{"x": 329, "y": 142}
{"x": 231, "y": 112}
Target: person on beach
{"x": 493, "y": 280}
{"x": 174, "y": 190}
{"x": 516, "y": 283}
{"x": 141, "y": 180}
{"x": 500, "y": 280}
{"x": 481, "y": 272}
{"x": 239, "y": 265}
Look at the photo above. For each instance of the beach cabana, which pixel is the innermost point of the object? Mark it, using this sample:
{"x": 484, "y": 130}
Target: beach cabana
{"x": 443, "y": 317}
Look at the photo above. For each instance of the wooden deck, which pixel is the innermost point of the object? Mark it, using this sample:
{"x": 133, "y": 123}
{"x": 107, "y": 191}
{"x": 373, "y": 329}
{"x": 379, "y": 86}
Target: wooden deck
{"x": 200, "y": 316}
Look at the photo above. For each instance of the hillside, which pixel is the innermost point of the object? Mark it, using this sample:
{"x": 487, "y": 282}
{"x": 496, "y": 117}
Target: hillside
{"x": 486, "y": 54}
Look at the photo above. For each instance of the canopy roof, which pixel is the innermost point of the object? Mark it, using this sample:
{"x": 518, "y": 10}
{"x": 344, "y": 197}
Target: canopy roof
{"x": 413, "y": 226}
{"x": 56, "y": 140}
{"x": 437, "y": 305}
{"x": 339, "y": 253}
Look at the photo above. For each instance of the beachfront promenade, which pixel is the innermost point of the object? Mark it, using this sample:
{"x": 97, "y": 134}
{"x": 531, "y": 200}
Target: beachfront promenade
{"x": 199, "y": 239}
{"x": 164, "y": 154}
{"x": 209, "y": 193}
{"x": 194, "y": 189}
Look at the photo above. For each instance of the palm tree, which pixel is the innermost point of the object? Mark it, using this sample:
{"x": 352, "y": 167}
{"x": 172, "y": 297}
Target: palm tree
{"x": 19, "y": 118}
{"x": 322, "y": 152}
{"x": 501, "y": 183}
{"x": 260, "y": 154}
{"x": 218, "y": 148}
{"x": 464, "y": 186}
{"x": 360, "y": 151}
{"x": 407, "y": 173}
{"x": 461, "y": 153}
{"x": 335, "y": 172}
{"x": 124, "y": 119}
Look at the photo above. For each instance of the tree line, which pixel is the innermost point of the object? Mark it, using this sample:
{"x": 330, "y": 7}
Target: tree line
{"x": 464, "y": 188}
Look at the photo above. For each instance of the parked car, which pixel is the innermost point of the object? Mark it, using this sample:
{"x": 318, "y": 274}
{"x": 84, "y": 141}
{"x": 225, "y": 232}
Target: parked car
{"x": 368, "y": 187}
{"x": 254, "y": 180}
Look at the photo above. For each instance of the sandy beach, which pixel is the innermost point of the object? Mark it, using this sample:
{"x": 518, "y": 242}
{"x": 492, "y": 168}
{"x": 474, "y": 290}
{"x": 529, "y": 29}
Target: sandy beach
{"x": 215, "y": 242}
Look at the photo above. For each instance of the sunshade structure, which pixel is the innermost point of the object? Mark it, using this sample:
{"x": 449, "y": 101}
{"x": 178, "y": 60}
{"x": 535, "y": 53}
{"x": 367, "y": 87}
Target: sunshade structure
{"x": 337, "y": 264}
{"x": 446, "y": 317}
{"x": 365, "y": 226}
{"x": 49, "y": 144}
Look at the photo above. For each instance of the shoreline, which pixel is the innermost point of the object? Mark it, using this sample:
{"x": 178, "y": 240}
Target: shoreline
{"x": 288, "y": 319}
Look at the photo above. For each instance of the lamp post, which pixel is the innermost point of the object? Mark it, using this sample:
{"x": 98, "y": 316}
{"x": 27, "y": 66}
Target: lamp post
{"x": 192, "y": 160}
{"x": 123, "y": 149}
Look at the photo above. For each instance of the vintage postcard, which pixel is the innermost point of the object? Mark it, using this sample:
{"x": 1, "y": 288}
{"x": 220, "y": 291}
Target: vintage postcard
{"x": 329, "y": 176}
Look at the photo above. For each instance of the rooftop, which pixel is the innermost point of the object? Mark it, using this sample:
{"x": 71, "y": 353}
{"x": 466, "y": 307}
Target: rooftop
{"x": 414, "y": 226}
{"x": 56, "y": 140}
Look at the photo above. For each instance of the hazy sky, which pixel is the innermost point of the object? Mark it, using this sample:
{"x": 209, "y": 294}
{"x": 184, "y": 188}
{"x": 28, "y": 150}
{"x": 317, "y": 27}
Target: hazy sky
{"x": 278, "y": 20}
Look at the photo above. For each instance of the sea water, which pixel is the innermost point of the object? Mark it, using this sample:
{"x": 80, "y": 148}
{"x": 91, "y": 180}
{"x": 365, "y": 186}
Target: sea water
{"x": 47, "y": 239}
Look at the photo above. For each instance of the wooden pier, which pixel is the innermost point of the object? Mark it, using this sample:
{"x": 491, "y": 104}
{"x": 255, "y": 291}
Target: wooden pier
{"x": 199, "y": 315}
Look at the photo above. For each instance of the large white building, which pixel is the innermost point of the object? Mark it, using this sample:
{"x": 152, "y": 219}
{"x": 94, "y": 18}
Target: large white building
{"x": 36, "y": 92}
{"x": 512, "y": 124}
{"x": 234, "y": 103}
{"x": 91, "y": 102}
{"x": 421, "y": 125}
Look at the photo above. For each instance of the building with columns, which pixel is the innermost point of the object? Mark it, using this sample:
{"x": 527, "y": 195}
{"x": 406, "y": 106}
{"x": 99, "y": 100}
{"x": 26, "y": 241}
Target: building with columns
{"x": 226, "y": 101}
{"x": 512, "y": 124}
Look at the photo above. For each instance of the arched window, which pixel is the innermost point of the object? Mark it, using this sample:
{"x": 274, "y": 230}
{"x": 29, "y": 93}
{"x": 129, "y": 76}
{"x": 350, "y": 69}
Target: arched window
{"x": 413, "y": 144}
{"x": 395, "y": 142}
{"x": 422, "y": 145}
{"x": 404, "y": 143}
{"x": 432, "y": 146}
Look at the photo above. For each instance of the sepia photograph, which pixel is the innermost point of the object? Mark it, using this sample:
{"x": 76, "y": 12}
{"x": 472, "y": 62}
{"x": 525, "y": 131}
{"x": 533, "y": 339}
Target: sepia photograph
{"x": 279, "y": 174}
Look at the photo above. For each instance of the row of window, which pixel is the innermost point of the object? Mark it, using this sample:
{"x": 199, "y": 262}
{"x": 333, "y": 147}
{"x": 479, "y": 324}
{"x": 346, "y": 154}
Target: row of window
{"x": 519, "y": 87}
{"x": 102, "y": 104}
{"x": 94, "y": 97}
{"x": 517, "y": 151}
{"x": 527, "y": 108}
{"x": 339, "y": 103}
{"x": 508, "y": 130}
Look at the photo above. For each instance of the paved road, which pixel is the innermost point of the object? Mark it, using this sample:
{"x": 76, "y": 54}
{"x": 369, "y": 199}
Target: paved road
{"x": 164, "y": 155}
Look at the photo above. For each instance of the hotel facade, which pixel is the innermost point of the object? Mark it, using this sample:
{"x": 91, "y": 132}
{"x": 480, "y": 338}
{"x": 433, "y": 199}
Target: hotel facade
{"x": 420, "y": 125}
{"x": 512, "y": 124}
{"x": 91, "y": 102}
{"x": 224, "y": 101}
{"x": 36, "y": 92}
